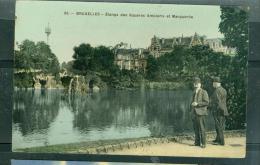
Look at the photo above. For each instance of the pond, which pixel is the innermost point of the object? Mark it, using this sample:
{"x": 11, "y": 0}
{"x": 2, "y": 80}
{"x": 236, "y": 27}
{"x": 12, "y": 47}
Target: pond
{"x": 48, "y": 117}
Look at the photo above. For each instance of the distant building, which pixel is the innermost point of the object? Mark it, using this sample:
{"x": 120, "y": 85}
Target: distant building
{"x": 160, "y": 46}
{"x": 135, "y": 59}
{"x": 131, "y": 59}
{"x": 217, "y": 46}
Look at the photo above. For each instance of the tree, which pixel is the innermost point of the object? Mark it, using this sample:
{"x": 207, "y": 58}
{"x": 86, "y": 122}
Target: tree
{"x": 25, "y": 54}
{"x": 171, "y": 65}
{"x": 36, "y": 57}
{"x": 103, "y": 59}
{"x": 45, "y": 60}
{"x": 21, "y": 61}
{"x": 83, "y": 57}
{"x": 152, "y": 68}
{"x": 234, "y": 26}
{"x": 93, "y": 59}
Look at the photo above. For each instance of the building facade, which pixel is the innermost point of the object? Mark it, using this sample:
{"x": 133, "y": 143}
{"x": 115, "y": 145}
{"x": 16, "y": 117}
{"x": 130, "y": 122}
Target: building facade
{"x": 135, "y": 59}
{"x": 160, "y": 46}
{"x": 217, "y": 46}
{"x": 131, "y": 59}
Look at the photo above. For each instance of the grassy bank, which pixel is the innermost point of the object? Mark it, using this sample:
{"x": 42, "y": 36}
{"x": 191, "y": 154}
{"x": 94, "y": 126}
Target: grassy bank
{"x": 103, "y": 146}
{"x": 76, "y": 147}
{"x": 166, "y": 85}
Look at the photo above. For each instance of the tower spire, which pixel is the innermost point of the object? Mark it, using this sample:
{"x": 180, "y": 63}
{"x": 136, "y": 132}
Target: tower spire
{"x": 48, "y": 32}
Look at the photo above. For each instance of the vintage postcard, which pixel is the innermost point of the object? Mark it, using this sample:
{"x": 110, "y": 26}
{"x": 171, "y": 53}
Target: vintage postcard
{"x": 130, "y": 79}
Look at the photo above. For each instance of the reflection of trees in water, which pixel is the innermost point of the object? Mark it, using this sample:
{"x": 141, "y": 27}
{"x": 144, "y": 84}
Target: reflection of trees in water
{"x": 91, "y": 111}
{"x": 164, "y": 112}
{"x": 101, "y": 110}
{"x": 34, "y": 110}
{"x": 168, "y": 112}
{"x": 130, "y": 106}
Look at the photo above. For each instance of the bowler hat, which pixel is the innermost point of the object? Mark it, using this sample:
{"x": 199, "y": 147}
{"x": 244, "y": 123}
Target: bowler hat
{"x": 216, "y": 79}
{"x": 196, "y": 80}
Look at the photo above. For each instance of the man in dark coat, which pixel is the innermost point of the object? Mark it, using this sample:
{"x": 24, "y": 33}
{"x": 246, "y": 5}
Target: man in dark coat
{"x": 218, "y": 107}
{"x": 200, "y": 102}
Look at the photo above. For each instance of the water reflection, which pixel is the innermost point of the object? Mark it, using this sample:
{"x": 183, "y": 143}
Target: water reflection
{"x": 91, "y": 111}
{"x": 168, "y": 112}
{"x": 35, "y": 110}
{"x": 109, "y": 114}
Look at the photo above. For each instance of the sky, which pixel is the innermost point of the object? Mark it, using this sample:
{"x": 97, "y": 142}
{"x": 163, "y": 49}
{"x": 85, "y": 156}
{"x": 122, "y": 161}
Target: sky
{"x": 68, "y": 31}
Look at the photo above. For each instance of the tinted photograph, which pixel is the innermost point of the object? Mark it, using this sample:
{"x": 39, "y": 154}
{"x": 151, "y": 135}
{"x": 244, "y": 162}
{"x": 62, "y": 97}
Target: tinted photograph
{"x": 130, "y": 79}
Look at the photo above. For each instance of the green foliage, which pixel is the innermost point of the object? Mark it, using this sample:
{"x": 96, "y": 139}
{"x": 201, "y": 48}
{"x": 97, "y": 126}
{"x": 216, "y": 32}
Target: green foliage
{"x": 23, "y": 80}
{"x": 65, "y": 80}
{"x": 69, "y": 68}
{"x": 32, "y": 58}
{"x": 83, "y": 55}
{"x": 234, "y": 26}
{"x": 21, "y": 60}
{"x": 36, "y": 56}
{"x": 127, "y": 79}
{"x": 103, "y": 59}
{"x": 183, "y": 63}
{"x": 172, "y": 65}
{"x": 152, "y": 68}
{"x": 88, "y": 58}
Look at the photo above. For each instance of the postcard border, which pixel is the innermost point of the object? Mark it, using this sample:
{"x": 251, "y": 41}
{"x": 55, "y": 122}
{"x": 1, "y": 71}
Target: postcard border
{"x": 7, "y": 20}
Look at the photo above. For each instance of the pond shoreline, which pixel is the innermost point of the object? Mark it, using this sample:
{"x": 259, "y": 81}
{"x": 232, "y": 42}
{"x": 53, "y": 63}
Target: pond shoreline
{"x": 105, "y": 146}
{"x": 154, "y": 85}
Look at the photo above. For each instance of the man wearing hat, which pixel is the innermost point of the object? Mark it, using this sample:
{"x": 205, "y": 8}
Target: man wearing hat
{"x": 200, "y": 102}
{"x": 219, "y": 109}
